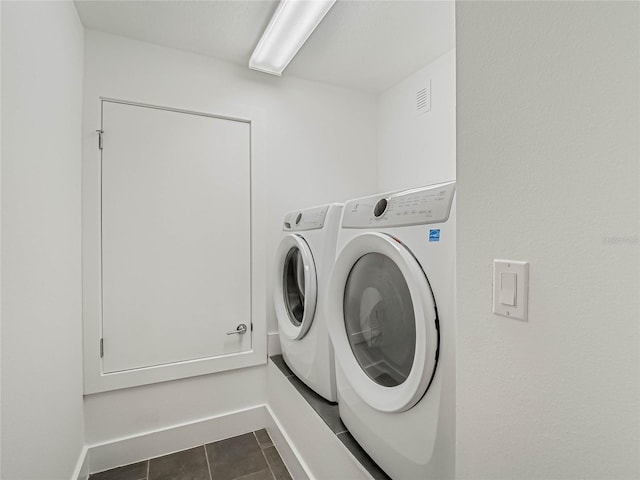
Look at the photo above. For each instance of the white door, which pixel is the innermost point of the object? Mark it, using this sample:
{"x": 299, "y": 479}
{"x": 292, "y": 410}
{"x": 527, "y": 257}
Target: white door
{"x": 383, "y": 322}
{"x": 175, "y": 236}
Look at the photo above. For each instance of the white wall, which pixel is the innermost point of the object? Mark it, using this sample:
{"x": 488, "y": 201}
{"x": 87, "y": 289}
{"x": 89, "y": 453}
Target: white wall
{"x": 320, "y": 147}
{"x": 547, "y": 167}
{"x": 42, "y": 410}
{"x": 0, "y": 239}
{"x": 130, "y": 412}
{"x": 418, "y": 149}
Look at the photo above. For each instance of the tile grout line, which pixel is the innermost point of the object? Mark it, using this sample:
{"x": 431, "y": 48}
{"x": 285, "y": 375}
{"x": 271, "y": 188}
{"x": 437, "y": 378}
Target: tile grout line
{"x": 148, "y": 467}
{"x": 268, "y": 464}
{"x": 255, "y": 434}
{"x": 206, "y": 456}
{"x": 282, "y": 461}
{"x": 273, "y": 475}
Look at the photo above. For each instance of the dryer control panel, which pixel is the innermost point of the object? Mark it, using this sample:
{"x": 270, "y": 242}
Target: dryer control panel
{"x": 308, "y": 219}
{"x": 418, "y": 206}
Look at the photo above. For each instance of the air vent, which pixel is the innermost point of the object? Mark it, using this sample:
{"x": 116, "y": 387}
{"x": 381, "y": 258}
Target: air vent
{"x": 423, "y": 99}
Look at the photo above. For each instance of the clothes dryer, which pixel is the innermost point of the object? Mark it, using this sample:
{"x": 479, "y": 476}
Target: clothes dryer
{"x": 303, "y": 263}
{"x": 391, "y": 317}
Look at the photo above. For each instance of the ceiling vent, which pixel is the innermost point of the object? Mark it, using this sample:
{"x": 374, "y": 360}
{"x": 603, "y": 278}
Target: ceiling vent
{"x": 423, "y": 99}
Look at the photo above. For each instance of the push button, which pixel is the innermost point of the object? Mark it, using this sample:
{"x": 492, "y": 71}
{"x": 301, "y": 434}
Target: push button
{"x": 508, "y": 289}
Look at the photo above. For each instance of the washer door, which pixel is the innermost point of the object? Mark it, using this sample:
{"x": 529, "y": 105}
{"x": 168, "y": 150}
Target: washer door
{"x": 296, "y": 287}
{"x": 383, "y": 322}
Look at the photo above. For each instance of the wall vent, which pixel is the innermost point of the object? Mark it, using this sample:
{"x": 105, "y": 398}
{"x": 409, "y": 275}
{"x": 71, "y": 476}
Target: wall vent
{"x": 423, "y": 99}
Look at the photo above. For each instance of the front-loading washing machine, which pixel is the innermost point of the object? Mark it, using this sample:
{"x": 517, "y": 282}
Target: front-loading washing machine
{"x": 391, "y": 317}
{"x": 303, "y": 263}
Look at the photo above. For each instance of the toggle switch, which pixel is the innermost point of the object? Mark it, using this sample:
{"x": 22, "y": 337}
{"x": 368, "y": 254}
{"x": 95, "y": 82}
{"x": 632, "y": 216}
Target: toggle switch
{"x": 510, "y": 288}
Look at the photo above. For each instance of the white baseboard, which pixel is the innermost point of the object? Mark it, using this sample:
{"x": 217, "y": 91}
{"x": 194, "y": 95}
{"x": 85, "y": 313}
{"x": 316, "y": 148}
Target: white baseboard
{"x": 123, "y": 451}
{"x": 81, "y": 472}
{"x": 303, "y": 440}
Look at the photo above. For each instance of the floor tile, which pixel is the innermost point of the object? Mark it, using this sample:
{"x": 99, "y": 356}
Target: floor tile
{"x": 328, "y": 411}
{"x": 261, "y": 475}
{"x": 278, "y": 467}
{"x": 279, "y": 361}
{"x": 135, "y": 471}
{"x": 263, "y": 438}
{"x": 235, "y": 457}
{"x": 186, "y": 465}
{"x": 365, "y": 460}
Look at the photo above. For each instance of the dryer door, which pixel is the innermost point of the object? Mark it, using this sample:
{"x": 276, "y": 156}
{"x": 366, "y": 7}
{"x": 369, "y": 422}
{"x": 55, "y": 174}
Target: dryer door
{"x": 383, "y": 322}
{"x": 296, "y": 287}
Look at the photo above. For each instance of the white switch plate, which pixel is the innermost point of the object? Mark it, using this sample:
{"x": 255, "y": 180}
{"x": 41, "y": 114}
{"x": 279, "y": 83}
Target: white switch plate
{"x": 521, "y": 272}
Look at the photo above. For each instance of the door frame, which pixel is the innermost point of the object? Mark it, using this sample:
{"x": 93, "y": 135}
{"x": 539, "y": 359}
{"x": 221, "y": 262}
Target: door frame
{"x": 95, "y": 380}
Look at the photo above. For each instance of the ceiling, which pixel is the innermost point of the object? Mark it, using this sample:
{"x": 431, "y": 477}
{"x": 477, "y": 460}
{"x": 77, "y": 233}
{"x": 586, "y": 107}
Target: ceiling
{"x": 366, "y": 45}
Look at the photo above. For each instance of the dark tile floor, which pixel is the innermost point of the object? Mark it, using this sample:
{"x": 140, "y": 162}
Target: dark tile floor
{"x": 330, "y": 414}
{"x": 251, "y": 456}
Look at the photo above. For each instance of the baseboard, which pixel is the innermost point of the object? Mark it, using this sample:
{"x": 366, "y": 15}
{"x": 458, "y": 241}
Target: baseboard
{"x": 124, "y": 451}
{"x": 81, "y": 472}
{"x": 303, "y": 440}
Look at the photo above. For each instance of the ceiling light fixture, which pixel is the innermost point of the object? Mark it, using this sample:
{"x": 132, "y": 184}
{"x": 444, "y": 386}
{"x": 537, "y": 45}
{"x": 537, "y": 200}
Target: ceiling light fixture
{"x": 291, "y": 25}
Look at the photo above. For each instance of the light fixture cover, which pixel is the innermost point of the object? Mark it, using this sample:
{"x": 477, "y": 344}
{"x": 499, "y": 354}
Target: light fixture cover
{"x": 291, "y": 25}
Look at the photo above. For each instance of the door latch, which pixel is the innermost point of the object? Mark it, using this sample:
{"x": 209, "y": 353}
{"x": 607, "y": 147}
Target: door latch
{"x": 240, "y": 330}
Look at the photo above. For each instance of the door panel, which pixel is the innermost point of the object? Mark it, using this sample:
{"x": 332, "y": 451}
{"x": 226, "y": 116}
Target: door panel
{"x": 383, "y": 323}
{"x": 379, "y": 319}
{"x": 175, "y": 236}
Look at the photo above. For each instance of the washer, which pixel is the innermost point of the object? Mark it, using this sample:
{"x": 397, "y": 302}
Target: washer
{"x": 391, "y": 313}
{"x": 303, "y": 264}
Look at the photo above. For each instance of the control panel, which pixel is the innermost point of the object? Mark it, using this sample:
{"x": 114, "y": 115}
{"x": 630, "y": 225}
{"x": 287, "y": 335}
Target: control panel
{"x": 308, "y": 219}
{"x": 418, "y": 206}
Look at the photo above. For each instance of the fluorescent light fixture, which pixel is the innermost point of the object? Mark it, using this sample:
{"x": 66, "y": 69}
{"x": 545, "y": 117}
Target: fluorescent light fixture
{"x": 291, "y": 25}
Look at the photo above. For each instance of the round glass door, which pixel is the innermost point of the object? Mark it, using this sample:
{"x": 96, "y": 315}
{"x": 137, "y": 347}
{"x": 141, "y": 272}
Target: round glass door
{"x": 295, "y": 288}
{"x": 294, "y": 285}
{"x": 379, "y": 319}
{"x": 382, "y": 321}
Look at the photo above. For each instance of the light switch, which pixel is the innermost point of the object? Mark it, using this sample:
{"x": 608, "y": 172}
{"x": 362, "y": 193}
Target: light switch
{"x": 510, "y": 288}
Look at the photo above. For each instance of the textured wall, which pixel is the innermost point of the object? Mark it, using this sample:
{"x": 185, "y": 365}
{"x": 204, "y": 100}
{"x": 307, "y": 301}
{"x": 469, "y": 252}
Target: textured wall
{"x": 548, "y": 148}
{"x": 418, "y": 149}
{"x": 42, "y": 417}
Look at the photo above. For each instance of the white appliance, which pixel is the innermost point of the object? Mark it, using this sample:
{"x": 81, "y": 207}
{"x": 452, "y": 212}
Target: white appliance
{"x": 303, "y": 264}
{"x": 391, "y": 314}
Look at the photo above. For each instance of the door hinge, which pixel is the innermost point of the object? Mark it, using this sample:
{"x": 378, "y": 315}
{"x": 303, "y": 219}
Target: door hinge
{"x": 100, "y": 133}
{"x": 101, "y": 347}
